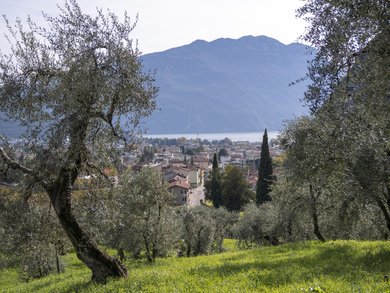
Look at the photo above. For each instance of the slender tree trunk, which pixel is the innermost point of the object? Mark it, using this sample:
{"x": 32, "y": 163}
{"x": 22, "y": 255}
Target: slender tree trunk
{"x": 147, "y": 248}
{"x": 121, "y": 254}
{"x": 386, "y": 192}
{"x": 154, "y": 251}
{"x": 57, "y": 259}
{"x": 198, "y": 242}
{"x": 385, "y": 213}
{"x": 188, "y": 240}
{"x": 289, "y": 228}
{"x": 101, "y": 264}
{"x": 314, "y": 215}
{"x": 155, "y": 246}
{"x": 188, "y": 251}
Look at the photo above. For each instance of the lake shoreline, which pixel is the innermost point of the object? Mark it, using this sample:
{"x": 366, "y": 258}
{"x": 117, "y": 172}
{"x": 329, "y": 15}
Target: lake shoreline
{"x": 233, "y": 136}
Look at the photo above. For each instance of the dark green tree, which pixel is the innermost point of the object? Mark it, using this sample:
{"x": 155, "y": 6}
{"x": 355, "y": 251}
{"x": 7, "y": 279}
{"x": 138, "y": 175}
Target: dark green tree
{"x": 213, "y": 186}
{"x": 222, "y": 153}
{"x": 235, "y": 190}
{"x": 265, "y": 173}
{"x": 147, "y": 154}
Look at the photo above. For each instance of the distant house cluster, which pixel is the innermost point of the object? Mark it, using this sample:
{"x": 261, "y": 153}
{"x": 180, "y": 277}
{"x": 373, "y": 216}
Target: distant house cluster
{"x": 182, "y": 177}
{"x": 186, "y": 174}
{"x": 186, "y": 170}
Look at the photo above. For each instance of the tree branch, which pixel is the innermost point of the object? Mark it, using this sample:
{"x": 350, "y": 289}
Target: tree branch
{"x": 107, "y": 118}
{"x": 92, "y": 166}
{"x": 17, "y": 166}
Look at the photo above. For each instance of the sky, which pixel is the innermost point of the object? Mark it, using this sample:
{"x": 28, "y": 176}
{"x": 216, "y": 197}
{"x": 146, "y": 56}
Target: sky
{"x": 165, "y": 24}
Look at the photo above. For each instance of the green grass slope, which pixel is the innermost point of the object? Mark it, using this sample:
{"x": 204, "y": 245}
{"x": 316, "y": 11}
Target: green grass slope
{"x": 339, "y": 266}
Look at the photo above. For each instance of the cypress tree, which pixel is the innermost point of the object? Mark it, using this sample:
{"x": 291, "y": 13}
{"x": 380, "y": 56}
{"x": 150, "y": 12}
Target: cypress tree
{"x": 265, "y": 173}
{"x": 213, "y": 186}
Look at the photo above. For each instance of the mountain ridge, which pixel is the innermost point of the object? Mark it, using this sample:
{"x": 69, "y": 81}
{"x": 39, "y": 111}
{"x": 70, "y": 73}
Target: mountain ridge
{"x": 227, "y": 85}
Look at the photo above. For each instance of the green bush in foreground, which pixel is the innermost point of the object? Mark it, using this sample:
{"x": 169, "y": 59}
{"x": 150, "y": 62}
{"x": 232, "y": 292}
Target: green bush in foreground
{"x": 339, "y": 266}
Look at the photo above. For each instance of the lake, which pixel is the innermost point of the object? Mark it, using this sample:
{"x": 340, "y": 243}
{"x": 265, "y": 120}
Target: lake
{"x": 233, "y": 136}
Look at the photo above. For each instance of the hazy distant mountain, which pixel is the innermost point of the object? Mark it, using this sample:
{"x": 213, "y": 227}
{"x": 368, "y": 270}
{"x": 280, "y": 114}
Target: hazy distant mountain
{"x": 227, "y": 85}
{"x": 223, "y": 86}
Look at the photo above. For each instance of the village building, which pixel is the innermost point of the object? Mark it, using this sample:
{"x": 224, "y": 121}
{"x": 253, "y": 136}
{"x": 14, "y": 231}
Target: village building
{"x": 194, "y": 176}
{"x": 180, "y": 188}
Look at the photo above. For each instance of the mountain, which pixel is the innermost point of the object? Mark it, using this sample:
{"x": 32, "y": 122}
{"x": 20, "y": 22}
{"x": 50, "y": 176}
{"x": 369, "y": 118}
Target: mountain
{"x": 223, "y": 86}
{"x": 227, "y": 85}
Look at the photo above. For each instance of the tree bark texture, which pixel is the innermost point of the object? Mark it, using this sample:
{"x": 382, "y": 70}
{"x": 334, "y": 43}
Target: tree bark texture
{"x": 385, "y": 213}
{"x": 102, "y": 265}
{"x": 314, "y": 214}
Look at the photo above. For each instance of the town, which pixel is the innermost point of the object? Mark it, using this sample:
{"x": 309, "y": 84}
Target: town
{"x": 186, "y": 163}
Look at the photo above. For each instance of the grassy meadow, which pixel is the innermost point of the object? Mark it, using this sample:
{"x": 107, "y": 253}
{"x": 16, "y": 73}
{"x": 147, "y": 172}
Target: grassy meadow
{"x": 339, "y": 266}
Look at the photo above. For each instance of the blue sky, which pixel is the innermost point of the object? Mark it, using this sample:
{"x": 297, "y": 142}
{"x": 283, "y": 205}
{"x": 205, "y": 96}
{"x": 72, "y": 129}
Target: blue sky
{"x": 165, "y": 24}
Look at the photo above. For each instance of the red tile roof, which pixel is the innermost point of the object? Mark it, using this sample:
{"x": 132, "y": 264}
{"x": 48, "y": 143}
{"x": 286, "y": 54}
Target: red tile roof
{"x": 180, "y": 183}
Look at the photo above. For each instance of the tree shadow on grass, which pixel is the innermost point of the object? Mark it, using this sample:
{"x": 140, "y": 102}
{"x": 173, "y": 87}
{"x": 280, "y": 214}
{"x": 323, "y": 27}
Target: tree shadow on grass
{"x": 343, "y": 260}
{"x": 80, "y": 286}
{"x": 76, "y": 286}
{"x": 334, "y": 261}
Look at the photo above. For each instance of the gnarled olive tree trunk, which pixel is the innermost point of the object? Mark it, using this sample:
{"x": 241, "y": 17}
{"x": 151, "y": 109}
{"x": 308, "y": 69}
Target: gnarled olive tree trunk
{"x": 314, "y": 214}
{"x": 78, "y": 85}
{"x": 102, "y": 265}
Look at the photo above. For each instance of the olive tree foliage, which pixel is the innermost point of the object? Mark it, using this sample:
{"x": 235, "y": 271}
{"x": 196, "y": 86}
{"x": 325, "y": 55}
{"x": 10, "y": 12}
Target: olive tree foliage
{"x": 257, "y": 225}
{"x": 144, "y": 210}
{"x": 223, "y": 221}
{"x": 314, "y": 164}
{"x": 319, "y": 184}
{"x": 93, "y": 208}
{"x": 31, "y": 235}
{"x": 294, "y": 222}
{"x": 337, "y": 159}
{"x": 341, "y": 214}
{"x": 78, "y": 86}
{"x": 347, "y": 35}
{"x": 203, "y": 229}
{"x": 350, "y": 87}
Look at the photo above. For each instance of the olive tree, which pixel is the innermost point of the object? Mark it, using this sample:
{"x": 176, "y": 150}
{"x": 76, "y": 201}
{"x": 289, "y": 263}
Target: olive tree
{"x": 197, "y": 231}
{"x": 350, "y": 87}
{"x": 257, "y": 225}
{"x": 77, "y": 85}
{"x": 204, "y": 229}
{"x": 145, "y": 212}
{"x": 314, "y": 167}
{"x": 31, "y": 235}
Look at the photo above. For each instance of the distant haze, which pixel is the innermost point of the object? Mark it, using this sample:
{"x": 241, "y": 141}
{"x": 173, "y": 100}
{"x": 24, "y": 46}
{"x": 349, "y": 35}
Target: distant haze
{"x": 235, "y": 136}
{"x": 228, "y": 85}
{"x": 223, "y": 86}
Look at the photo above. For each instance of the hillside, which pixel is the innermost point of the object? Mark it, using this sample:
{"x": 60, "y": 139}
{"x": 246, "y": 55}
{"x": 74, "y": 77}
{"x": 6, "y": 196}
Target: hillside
{"x": 339, "y": 266}
{"x": 227, "y": 85}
